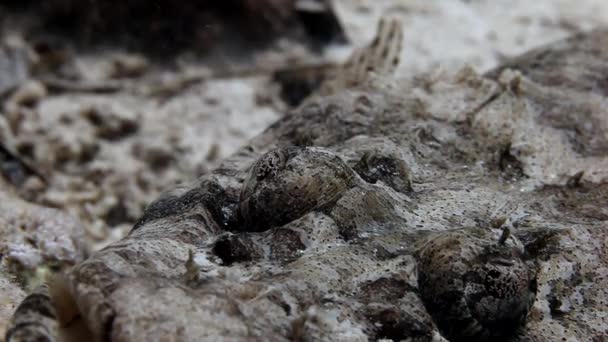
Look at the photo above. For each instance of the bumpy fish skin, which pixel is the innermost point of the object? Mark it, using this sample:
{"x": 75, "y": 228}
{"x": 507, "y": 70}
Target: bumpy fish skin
{"x": 372, "y": 212}
{"x": 475, "y": 286}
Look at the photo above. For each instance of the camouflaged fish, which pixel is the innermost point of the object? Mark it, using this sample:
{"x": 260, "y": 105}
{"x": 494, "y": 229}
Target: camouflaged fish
{"x": 375, "y": 212}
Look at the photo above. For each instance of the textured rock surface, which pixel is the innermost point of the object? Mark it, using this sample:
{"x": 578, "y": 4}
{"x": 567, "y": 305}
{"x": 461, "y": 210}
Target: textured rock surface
{"x": 31, "y": 235}
{"x": 10, "y": 296}
{"x": 34, "y": 242}
{"x": 455, "y": 205}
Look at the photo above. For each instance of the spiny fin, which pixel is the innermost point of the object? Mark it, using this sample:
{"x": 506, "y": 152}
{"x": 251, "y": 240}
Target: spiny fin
{"x": 381, "y": 57}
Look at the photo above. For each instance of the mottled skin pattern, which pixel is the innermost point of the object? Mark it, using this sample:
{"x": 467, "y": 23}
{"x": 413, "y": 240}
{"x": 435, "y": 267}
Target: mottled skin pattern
{"x": 475, "y": 285}
{"x": 35, "y": 318}
{"x": 388, "y": 209}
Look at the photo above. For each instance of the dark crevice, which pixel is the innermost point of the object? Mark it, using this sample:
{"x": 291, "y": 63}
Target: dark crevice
{"x": 107, "y": 328}
{"x": 235, "y": 248}
{"x": 510, "y": 167}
